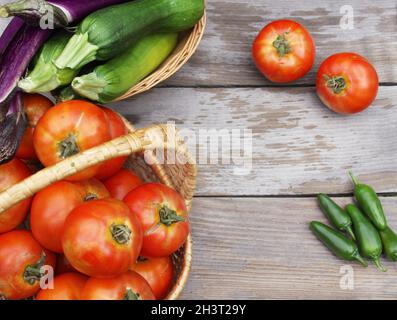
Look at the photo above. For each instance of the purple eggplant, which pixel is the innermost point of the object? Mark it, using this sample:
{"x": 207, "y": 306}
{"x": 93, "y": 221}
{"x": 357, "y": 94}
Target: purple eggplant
{"x": 13, "y": 64}
{"x": 64, "y": 11}
{"x": 17, "y": 57}
{"x": 12, "y": 128}
{"x": 9, "y": 33}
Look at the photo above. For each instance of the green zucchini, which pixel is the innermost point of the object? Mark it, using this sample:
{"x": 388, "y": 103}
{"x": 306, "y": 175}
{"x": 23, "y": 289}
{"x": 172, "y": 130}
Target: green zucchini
{"x": 108, "y": 32}
{"x": 117, "y": 76}
{"x": 45, "y": 76}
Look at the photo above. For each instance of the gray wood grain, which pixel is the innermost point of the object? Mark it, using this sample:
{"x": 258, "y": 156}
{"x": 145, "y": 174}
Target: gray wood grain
{"x": 224, "y": 56}
{"x": 299, "y": 146}
{"x": 263, "y": 249}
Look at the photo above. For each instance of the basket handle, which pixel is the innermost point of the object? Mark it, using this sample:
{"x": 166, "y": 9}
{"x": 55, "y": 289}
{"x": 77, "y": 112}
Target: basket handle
{"x": 134, "y": 142}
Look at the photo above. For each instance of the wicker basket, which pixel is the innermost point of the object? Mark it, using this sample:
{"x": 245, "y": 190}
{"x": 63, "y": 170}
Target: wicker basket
{"x": 142, "y": 147}
{"x": 182, "y": 53}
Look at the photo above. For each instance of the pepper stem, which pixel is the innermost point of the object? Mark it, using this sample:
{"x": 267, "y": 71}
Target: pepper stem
{"x": 131, "y": 295}
{"x": 354, "y": 179}
{"x": 68, "y": 147}
{"x": 350, "y": 232}
{"x": 120, "y": 233}
{"x": 169, "y": 216}
{"x": 361, "y": 260}
{"x": 282, "y": 45}
{"x": 32, "y": 272}
{"x": 379, "y": 265}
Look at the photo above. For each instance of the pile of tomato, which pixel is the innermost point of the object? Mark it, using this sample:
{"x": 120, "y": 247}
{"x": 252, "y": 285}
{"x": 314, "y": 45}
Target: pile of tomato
{"x": 101, "y": 234}
{"x": 284, "y": 51}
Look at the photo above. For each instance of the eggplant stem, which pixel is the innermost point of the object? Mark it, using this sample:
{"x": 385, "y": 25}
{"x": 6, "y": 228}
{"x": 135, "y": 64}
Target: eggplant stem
{"x": 33, "y": 11}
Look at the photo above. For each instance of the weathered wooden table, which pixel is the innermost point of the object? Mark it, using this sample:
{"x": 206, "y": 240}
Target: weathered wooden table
{"x": 251, "y": 236}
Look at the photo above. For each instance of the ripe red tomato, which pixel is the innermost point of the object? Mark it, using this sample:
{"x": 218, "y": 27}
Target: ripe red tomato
{"x": 35, "y": 106}
{"x": 347, "y": 83}
{"x": 128, "y": 286}
{"x": 63, "y": 265}
{"x": 117, "y": 129}
{"x": 158, "y": 272}
{"x": 10, "y": 174}
{"x": 284, "y": 51}
{"x": 102, "y": 238}
{"x": 67, "y": 129}
{"x": 67, "y": 286}
{"x": 21, "y": 258}
{"x": 164, "y": 218}
{"x": 122, "y": 183}
{"x": 52, "y": 205}
{"x": 93, "y": 189}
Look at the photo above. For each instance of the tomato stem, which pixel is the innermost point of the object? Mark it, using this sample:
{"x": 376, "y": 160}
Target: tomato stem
{"x": 282, "y": 45}
{"x": 142, "y": 259}
{"x": 68, "y": 147}
{"x": 33, "y": 272}
{"x": 131, "y": 295}
{"x": 337, "y": 83}
{"x": 120, "y": 233}
{"x": 169, "y": 217}
{"x": 90, "y": 197}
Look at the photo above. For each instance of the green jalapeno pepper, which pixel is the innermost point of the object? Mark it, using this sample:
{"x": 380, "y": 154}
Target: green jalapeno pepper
{"x": 368, "y": 237}
{"x": 337, "y": 242}
{"x": 336, "y": 215}
{"x": 389, "y": 240}
{"x": 370, "y": 203}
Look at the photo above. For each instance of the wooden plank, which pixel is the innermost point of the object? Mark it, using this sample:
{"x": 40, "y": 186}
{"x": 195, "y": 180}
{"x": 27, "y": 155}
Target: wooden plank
{"x": 299, "y": 146}
{"x": 224, "y": 56}
{"x": 263, "y": 249}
